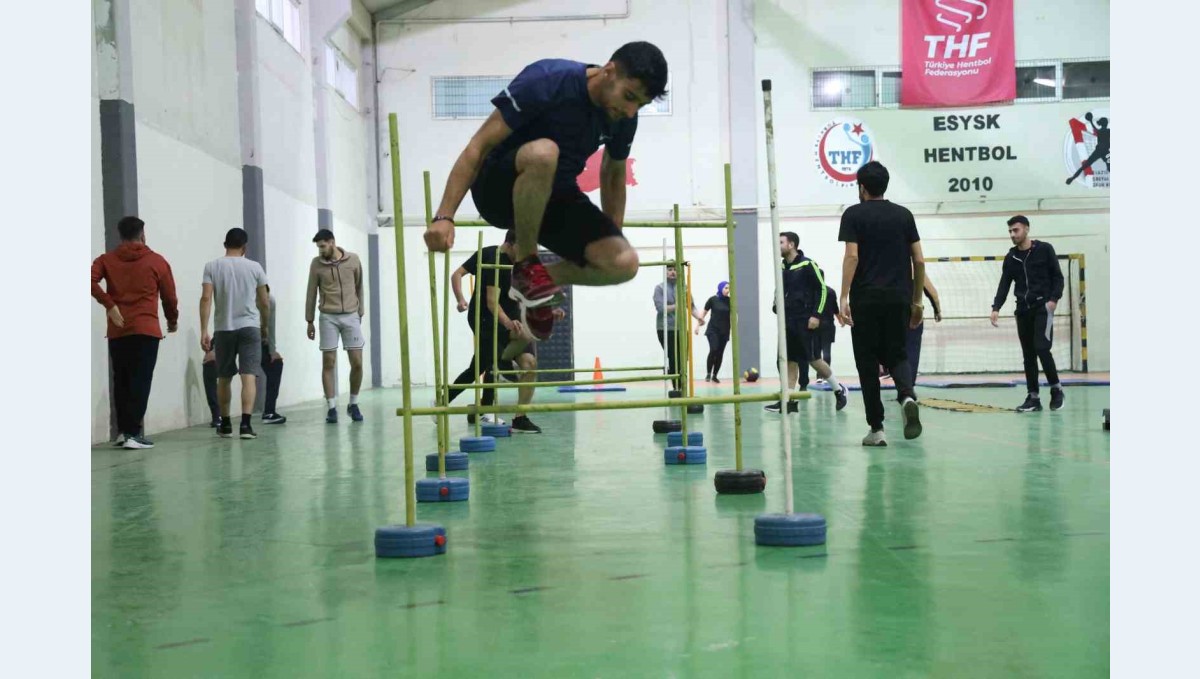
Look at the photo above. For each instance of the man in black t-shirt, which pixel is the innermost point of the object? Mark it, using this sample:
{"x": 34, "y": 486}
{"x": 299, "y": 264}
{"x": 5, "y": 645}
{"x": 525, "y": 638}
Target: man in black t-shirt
{"x": 883, "y": 275}
{"x": 522, "y": 163}
{"x": 512, "y": 339}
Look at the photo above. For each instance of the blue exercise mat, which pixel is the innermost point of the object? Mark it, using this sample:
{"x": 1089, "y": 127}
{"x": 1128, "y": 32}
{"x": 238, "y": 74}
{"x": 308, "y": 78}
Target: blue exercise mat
{"x": 580, "y": 390}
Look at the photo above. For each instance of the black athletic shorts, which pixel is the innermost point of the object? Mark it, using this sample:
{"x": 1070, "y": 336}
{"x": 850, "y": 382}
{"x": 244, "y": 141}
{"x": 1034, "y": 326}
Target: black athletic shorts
{"x": 803, "y": 345}
{"x": 571, "y": 221}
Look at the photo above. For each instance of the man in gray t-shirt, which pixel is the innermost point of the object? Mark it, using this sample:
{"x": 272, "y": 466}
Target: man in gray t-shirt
{"x": 239, "y": 286}
{"x": 664, "y": 304}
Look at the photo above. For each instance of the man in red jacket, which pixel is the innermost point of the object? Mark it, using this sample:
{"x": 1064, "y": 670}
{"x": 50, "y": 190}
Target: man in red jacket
{"x": 135, "y": 278}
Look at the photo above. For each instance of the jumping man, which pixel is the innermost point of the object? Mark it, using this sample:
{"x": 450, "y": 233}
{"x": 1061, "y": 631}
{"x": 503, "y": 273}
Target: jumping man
{"x": 521, "y": 168}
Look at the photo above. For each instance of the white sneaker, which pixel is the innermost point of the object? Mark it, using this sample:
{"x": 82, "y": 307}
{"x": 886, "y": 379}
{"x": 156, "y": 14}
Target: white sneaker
{"x": 492, "y": 419}
{"x": 820, "y": 380}
{"x": 120, "y": 441}
{"x": 875, "y": 439}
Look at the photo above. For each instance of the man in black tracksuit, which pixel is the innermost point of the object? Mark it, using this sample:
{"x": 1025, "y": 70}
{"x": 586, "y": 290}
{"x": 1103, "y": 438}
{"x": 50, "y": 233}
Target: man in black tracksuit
{"x": 1033, "y": 265}
{"x": 804, "y": 300}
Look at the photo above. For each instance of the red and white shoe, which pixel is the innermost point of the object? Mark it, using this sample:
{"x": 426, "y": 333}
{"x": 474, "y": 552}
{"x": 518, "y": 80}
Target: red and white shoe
{"x": 540, "y": 321}
{"x": 532, "y": 285}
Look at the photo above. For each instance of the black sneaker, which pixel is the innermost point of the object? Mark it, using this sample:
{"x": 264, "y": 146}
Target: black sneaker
{"x": 225, "y": 430}
{"x": 273, "y": 418}
{"x": 331, "y": 416}
{"x": 773, "y": 407}
{"x": 1056, "y": 399}
{"x": 354, "y": 412}
{"x": 216, "y": 422}
{"x": 911, "y": 413}
{"x": 715, "y": 380}
{"x": 1032, "y": 404}
{"x": 840, "y": 395}
{"x": 246, "y": 431}
{"x": 793, "y": 406}
{"x": 522, "y": 425}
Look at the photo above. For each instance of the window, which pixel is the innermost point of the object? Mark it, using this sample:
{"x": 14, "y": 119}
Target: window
{"x": 284, "y": 16}
{"x": 341, "y": 75}
{"x": 1085, "y": 80}
{"x": 660, "y": 106}
{"x": 889, "y": 88}
{"x": 1037, "y": 82}
{"x": 843, "y": 89}
{"x": 879, "y": 86}
{"x": 457, "y": 96}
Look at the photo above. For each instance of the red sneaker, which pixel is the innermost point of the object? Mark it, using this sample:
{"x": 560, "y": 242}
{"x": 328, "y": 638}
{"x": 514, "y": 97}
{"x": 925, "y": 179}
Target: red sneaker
{"x": 532, "y": 285}
{"x": 540, "y": 321}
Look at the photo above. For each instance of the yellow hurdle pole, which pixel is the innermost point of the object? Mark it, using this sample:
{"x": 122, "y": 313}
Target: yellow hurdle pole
{"x": 691, "y": 371}
{"x": 639, "y": 368}
{"x": 495, "y": 320}
{"x": 614, "y": 405}
{"x": 569, "y": 383}
{"x": 733, "y": 318}
{"x": 446, "y": 348}
{"x": 410, "y": 493}
{"x": 437, "y": 353}
{"x": 480, "y": 291}
{"x": 681, "y": 302}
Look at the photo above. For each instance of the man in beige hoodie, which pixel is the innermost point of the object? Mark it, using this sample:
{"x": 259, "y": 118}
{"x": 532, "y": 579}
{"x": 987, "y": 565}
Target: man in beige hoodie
{"x": 337, "y": 275}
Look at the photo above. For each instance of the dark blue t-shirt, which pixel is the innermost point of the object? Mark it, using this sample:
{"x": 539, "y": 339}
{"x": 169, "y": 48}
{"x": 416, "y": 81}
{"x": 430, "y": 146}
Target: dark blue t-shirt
{"x": 549, "y": 100}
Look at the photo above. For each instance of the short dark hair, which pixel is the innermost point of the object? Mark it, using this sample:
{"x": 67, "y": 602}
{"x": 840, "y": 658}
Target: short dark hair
{"x": 236, "y": 238}
{"x": 874, "y": 178}
{"x": 1019, "y": 219}
{"x": 130, "y": 227}
{"x": 644, "y": 62}
{"x": 792, "y": 238}
{"x": 323, "y": 234}
{"x": 510, "y": 236}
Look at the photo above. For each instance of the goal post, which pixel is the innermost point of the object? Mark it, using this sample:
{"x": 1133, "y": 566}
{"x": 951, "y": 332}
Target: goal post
{"x": 965, "y": 341}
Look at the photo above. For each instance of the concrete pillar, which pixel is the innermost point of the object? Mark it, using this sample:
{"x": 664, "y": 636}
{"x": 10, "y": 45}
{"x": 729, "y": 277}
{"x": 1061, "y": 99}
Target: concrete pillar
{"x": 113, "y": 41}
{"x": 744, "y": 97}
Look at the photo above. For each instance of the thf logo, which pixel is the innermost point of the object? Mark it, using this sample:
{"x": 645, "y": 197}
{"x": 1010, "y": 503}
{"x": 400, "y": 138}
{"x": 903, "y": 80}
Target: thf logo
{"x": 843, "y": 146}
{"x": 957, "y": 14}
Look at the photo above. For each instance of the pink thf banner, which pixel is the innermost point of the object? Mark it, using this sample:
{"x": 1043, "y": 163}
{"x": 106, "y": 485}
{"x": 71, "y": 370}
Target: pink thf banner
{"x": 957, "y": 52}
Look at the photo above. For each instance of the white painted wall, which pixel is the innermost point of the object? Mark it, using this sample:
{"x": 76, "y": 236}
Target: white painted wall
{"x": 98, "y": 347}
{"x": 795, "y": 36}
{"x": 190, "y": 188}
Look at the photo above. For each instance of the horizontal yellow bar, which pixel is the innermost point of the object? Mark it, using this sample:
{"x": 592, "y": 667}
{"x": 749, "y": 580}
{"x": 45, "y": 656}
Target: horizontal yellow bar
{"x": 605, "y": 405}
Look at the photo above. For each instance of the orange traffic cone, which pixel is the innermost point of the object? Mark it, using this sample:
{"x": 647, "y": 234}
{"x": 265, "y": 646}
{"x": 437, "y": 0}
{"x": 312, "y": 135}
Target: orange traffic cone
{"x": 597, "y": 374}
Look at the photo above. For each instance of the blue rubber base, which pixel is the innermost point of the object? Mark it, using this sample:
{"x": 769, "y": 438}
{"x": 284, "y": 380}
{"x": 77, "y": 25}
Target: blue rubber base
{"x": 580, "y": 390}
{"x": 477, "y": 444}
{"x": 789, "y": 530}
{"x": 496, "y": 431}
{"x": 685, "y": 455}
{"x": 450, "y": 489}
{"x": 423, "y": 539}
{"x": 454, "y": 462}
{"x": 675, "y": 438}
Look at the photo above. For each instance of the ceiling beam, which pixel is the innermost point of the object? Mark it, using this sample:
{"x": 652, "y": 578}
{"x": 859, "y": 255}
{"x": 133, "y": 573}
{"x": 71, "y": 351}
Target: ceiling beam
{"x": 400, "y": 8}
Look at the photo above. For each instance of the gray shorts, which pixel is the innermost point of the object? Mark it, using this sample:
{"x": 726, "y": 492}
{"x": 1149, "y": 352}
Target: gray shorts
{"x": 238, "y": 351}
{"x": 347, "y": 326}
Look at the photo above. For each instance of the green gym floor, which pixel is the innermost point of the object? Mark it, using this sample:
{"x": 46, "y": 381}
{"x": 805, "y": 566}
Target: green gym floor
{"x": 979, "y": 550}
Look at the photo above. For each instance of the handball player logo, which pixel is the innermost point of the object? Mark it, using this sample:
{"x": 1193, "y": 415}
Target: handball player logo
{"x": 1086, "y": 149}
{"x": 843, "y": 146}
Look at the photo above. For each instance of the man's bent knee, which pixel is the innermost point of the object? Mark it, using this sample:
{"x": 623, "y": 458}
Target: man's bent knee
{"x": 623, "y": 266}
{"x": 538, "y": 154}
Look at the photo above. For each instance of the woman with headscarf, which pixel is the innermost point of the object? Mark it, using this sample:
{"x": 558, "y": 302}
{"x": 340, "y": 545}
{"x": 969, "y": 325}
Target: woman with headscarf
{"x": 717, "y": 331}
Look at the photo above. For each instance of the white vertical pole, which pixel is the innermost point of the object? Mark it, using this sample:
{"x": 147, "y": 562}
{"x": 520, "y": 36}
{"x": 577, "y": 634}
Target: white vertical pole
{"x": 780, "y": 312}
